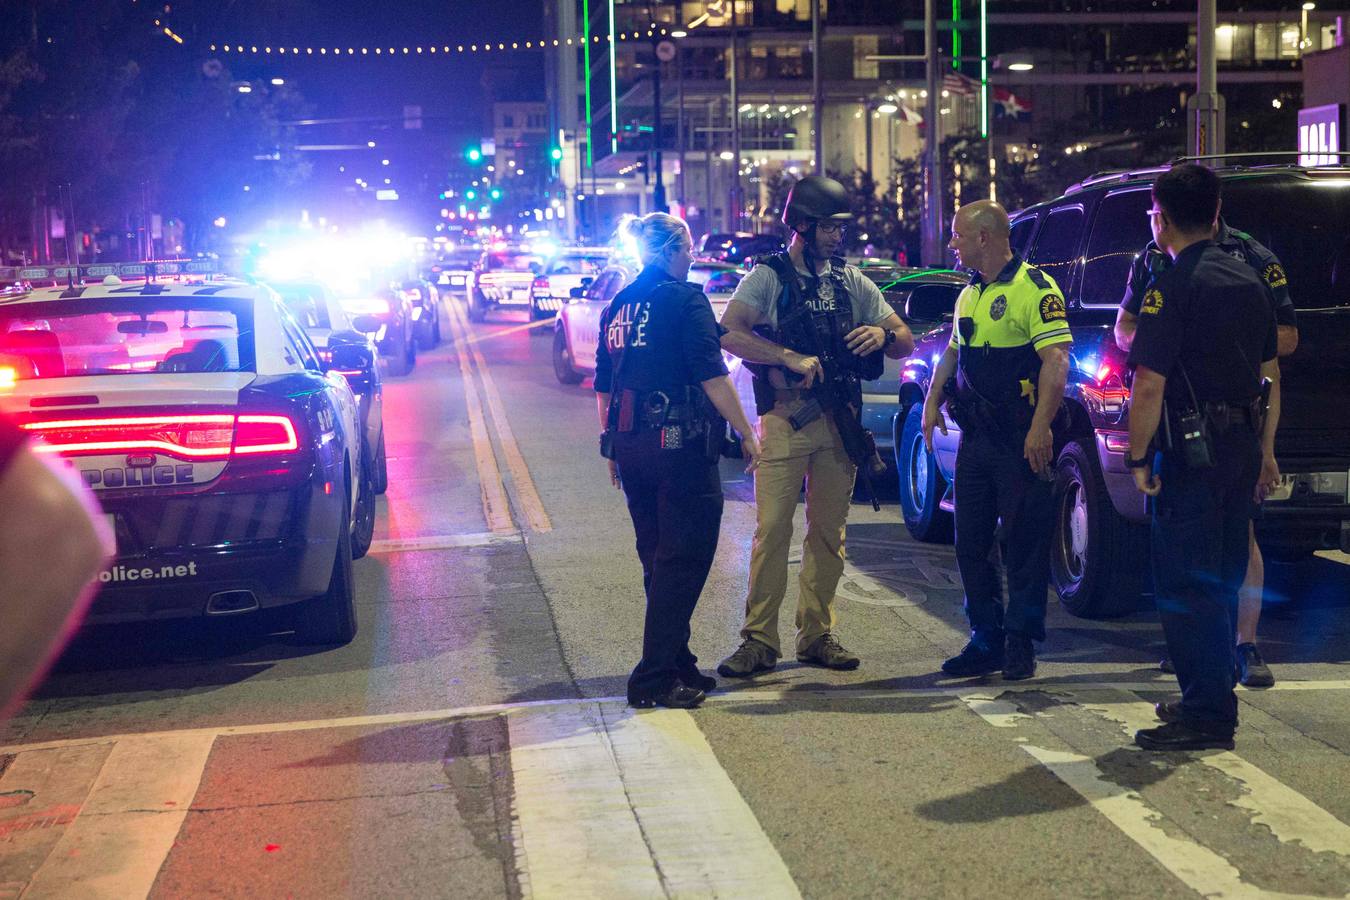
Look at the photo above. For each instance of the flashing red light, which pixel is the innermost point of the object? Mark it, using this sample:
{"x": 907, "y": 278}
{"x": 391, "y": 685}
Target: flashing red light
{"x": 541, "y": 283}
{"x": 9, "y": 376}
{"x": 214, "y": 436}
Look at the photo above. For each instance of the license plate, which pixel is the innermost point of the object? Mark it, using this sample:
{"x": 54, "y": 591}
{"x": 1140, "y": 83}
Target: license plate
{"x": 1284, "y": 490}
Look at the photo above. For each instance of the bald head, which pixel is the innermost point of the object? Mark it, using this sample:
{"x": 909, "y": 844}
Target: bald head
{"x": 986, "y": 216}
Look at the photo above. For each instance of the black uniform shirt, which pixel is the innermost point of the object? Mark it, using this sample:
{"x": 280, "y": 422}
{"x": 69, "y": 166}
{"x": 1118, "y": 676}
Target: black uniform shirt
{"x": 1237, "y": 244}
{"x": 667, "y": 331}
{"x": 1211, "y": 314}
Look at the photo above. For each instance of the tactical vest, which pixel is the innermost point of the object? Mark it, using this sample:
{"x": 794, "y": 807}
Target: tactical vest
{"x": 831, "y": 318}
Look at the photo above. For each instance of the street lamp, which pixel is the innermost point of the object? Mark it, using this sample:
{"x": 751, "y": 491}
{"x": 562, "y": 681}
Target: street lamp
{"x": 1303, "y": 26}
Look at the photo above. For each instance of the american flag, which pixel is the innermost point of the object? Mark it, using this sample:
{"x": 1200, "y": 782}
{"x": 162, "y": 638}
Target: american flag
{"x": 956, "y": 83}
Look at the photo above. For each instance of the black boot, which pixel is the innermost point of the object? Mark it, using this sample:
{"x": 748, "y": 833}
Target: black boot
{"x": 984, "y": 654}
{"x": 680, "y": 696}
{"x": 1019, "y": 658}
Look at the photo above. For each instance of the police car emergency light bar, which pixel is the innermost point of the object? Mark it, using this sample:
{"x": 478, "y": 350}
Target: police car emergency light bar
{"x": 99, "y": 271}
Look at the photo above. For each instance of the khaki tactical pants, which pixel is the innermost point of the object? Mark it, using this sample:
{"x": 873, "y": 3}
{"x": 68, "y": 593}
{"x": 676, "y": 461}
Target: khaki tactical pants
{"x": 816, "y": 454}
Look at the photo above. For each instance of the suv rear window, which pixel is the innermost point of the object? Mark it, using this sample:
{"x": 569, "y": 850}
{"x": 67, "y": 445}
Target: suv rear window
{"x": 1057, "y": 245}
{"x": 1306, "y": 224}
{"x": 1120, "y": 230}
{"x": 121, "y": 337}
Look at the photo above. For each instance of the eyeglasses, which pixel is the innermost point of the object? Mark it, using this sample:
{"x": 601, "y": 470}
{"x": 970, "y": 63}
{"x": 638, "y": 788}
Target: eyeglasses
{"x": 1154, "y": 212}
{"x": 831, "y": 227}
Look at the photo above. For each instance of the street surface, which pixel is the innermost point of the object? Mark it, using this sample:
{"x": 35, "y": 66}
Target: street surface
{"x": 473, "y": 740}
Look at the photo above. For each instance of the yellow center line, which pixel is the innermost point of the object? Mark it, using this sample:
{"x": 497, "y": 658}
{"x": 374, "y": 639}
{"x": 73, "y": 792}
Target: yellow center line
{"x": 531, "y": 505}
{"x": 496, "y": 507}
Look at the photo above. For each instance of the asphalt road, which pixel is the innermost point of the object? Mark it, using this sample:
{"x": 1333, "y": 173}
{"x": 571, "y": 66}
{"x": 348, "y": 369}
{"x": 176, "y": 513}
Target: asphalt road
{"x": 472, "y": 740}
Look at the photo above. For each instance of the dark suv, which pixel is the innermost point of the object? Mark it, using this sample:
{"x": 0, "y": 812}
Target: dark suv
{"x": 1087, "y": 239}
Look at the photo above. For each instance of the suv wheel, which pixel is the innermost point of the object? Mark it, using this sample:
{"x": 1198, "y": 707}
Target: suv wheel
{"x": 562, "y": 360}
{"x": 1098, "y": 561}
{"x": 922, "y": 486}
{"x": 401, "y": 356}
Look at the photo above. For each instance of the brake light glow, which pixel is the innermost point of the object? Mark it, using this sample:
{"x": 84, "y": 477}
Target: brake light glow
{"x": 9, "y": 376}
{"x": 541, "y": 283}
{"x": 215, "y": 436}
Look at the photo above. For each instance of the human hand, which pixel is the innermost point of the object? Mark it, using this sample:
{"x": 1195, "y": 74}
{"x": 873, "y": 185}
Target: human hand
{"x": 1269, "y": 479}
{"x": 808, "y": 367}
{"x": 1146, "y": 481}
{"x": 752, "y": 451}
{"x": 932, "y": 418}
{"x": 1039, "y": 448}
{"x": 614, "y": 475}
{"x": 866, "y": 339}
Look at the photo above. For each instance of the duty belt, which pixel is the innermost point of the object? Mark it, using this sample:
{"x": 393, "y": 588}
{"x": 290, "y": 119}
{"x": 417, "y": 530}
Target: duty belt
{"x": 649, "y": 410}
{"x": 1225, "y": 415}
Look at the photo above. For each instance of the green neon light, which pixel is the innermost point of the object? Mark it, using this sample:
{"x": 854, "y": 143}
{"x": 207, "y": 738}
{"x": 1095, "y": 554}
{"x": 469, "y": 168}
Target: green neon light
{"x": 586, "y": 61}
{"x": 956, "y": 35}
{"x": 613, "y": 87}
{"x": 984, "y": 68}
{"x": 923, "y": 274}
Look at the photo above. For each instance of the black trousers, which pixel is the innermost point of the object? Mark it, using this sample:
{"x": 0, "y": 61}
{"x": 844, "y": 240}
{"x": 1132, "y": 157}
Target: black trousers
{"x": 675, "y": 500}
{"x": 1199, "y": 545}
{"x": 994, "y": 482}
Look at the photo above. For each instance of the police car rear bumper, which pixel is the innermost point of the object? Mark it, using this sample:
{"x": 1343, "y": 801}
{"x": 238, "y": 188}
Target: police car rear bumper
{"x": 176, "y": 555}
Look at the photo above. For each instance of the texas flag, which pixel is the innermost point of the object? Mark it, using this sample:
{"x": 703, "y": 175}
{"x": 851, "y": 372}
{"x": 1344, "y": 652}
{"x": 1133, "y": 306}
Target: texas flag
{"x": 1009, "y": 105}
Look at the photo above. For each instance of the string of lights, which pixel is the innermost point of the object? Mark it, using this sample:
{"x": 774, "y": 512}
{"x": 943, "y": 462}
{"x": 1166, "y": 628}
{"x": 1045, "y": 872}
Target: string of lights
{"x": 431, "y": 49}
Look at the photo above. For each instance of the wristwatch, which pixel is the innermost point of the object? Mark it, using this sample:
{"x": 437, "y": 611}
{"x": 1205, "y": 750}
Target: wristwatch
{"x": 1144, "y": 462}
{"x": 890, "y": 338}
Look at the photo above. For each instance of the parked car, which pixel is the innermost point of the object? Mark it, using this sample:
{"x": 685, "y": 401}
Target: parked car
{"x": 425, "y": 301}
{"x": 1087, "y": 240}
{"x": 502, "y": 278}
{"x": 453, "y": 269}
{"x": 387, "y": 315}
{"x": 572, "y": 267}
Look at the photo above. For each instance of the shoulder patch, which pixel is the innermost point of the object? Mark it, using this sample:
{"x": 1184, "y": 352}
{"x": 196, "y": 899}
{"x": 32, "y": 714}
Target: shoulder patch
{"x": 1038, "y": 278}
{"x": 1274, "y": 276}
{"x": 1052, "y": 308}
{"x": 1153, "y": 303}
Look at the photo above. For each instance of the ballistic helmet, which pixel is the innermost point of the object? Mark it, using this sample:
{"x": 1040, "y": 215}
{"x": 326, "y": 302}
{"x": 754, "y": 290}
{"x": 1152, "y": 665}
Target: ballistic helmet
{"x": 814, "y": 198}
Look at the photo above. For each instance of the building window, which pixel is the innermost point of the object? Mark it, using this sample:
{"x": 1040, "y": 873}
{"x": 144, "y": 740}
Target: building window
{"x": 508, "y": 120}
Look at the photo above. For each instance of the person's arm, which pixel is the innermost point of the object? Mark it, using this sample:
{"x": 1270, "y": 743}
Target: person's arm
{"x": 741, "y": 340}
{"x": 1126, "y": 324}
{"x": 1146, "y": 403}
{"x": 53, "y": 542}
{"x": 932, "y": 404}
{"x": 1127, "y": 316}
{"x": 867, "y": 339}
{"x": 723, "y": 396}
{"x": 1039, "y": 448}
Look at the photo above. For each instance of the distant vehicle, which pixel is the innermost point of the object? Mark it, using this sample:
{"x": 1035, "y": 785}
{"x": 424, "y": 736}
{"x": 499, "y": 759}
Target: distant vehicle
{"x": 502, "y": 278}
{"x": 226, "y": 455}
{"x": 715, "y": 245}
{"x": 571, "y": 268}
{"x": 387, "y": 313}
{"x": 328, "y": 326}
{"x": 739, "y": 247}
{"x": 425, "y": 300}
{"x": 453, "y": 269}
{"x": 1087, "y": 240}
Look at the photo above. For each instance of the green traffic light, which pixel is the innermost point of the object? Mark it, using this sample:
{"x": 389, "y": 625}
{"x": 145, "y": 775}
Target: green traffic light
{"x": 556, "y": 153}
{"x": 474, "y": 155}
{"x": 470, "y": 195}
{"x": 496, "y": 193}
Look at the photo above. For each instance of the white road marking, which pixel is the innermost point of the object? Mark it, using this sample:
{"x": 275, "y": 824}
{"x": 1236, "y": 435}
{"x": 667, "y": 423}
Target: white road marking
{"x": 997, "y": 712}
{"x": 127, "y": 826}
{"x": 598, "y": 816}
{"x": 443, "y": 542}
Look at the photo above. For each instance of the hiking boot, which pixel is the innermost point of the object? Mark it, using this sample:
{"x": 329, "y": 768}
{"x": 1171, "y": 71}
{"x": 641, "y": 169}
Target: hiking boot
{"x": 750, "y": 658}
{"x": 1019, "y": 658}
{"x": 826, "y": 651}
{"x": 1252, "y": 670}
{"x": 1180, "y": 736}
{"x": 980, "y": 657}
{"x": 680, "y": 696}
{"x": 697, "y": 680}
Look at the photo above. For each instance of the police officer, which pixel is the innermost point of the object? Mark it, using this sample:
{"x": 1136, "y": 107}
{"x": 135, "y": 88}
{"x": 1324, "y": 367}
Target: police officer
{"x": 663, "y": 393}
{"x": 1009, "y": 355}
{"x": 1252, "y": 669}
{"x": 1206, "y": 337}
{"x": 845, "y": 313}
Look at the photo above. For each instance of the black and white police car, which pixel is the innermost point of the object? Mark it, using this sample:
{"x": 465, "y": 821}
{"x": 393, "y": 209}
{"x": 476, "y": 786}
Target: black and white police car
{"x": 226, "y": 455}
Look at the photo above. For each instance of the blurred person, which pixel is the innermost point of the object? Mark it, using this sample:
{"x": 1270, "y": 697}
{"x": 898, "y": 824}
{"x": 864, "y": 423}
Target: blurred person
{"x": 53, "y": 542}
{"x": 664, "y": 396}
{"x": 812, "y": 329}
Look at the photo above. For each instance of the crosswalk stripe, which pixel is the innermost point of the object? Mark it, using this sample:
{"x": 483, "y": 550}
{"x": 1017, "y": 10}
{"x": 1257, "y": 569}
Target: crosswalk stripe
{"x": 122, "y": 835}
{"x": 611, "y": 802}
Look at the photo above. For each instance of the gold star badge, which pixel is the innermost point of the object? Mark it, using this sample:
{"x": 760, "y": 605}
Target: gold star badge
{"x": 1029, "y": 391}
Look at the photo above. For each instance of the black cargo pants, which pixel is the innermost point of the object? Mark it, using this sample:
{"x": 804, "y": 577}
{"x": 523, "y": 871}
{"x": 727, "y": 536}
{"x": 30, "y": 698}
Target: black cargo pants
{"x": 675, "y": 500}
{"x": 995, "y": 482}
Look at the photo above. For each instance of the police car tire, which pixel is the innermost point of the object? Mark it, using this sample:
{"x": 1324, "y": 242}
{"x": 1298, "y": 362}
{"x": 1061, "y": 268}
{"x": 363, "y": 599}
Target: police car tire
{"x": 426, "y": 333}
{"x": 381, "y": 467}
{"x": 477, "y": 306}
{"x": 562, "y": 360}
{"x": 330, "y": 618}
{"x": 400, "y": 361}
{"x": 1109, "y": 580}
{"x": 363, "y": 524}
{"x": 926, "y": 521}
{"x": 436, "y": 326}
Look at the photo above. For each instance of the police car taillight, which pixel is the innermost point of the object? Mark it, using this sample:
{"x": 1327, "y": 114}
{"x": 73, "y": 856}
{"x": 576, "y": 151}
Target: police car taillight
{"x": 541, "y": 283}
{"x": 264, "y": 434}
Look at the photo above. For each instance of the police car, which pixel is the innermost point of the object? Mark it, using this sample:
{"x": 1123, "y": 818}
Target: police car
{"x": 328, "y": 325}
{"x": 225, "y": 454}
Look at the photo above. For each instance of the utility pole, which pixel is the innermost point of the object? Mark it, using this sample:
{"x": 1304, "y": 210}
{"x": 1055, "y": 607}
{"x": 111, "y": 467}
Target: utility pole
{"x": 734, "y": 213}
{"x": 664, "y": 50}
{"x": 1205, "y": 111}
{"x": 932, "y": 252}
{"x": 817, "y": 92}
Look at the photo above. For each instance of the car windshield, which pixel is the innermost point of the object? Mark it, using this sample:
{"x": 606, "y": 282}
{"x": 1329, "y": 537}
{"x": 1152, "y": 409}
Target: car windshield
{"x": 306, "y": 304}
{"x": 125, "y": 336}
{"x": 1306, "y": 224}
{"x": 513, "y": 262}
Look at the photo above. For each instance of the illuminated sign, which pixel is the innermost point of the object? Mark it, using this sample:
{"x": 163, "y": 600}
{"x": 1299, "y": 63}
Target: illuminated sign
{"x": 1319, "y": 134}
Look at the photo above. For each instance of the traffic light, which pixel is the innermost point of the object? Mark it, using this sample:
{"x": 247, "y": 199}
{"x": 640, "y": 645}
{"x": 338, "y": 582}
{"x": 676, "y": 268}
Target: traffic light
{"x": 495, "y": 193}
{"x": 470, "y": 194}
{"x": 474, "y": 155}
{"x": 555, "y": 154}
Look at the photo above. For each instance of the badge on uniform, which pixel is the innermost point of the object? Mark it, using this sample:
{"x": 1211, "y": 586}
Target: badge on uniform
{"x": 671, "y": 437}
{"x": 1153, "y": 302}
{"x": 998, "y": 307}
{"x": 1052, "y": 308}
{"x": 1274, "y": 275}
